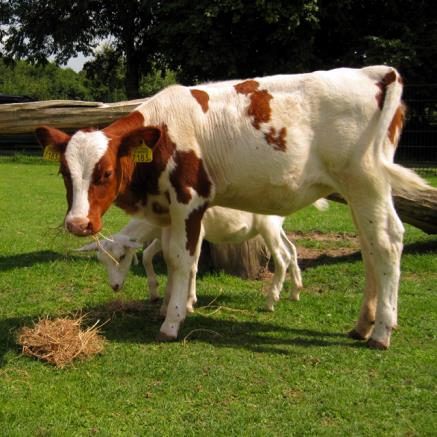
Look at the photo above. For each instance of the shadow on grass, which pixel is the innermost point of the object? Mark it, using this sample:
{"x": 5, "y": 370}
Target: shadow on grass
{"x": 422, "y": 247}
{"x": 138, "y": 321}
{"x": 31, "y": 258}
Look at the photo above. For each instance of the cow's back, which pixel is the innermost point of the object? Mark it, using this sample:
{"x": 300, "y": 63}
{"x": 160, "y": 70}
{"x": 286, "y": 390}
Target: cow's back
{"x": 275, "y": 144}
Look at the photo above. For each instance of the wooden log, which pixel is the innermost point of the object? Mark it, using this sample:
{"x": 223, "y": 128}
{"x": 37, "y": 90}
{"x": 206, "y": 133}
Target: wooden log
{"x": 418, "y": 208}
{"x": 24, "y": 118}
{"x": 246, "y": 260}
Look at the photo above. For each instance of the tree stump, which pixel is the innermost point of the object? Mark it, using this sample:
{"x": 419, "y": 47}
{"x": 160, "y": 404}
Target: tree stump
{"x": 246, "y": 260}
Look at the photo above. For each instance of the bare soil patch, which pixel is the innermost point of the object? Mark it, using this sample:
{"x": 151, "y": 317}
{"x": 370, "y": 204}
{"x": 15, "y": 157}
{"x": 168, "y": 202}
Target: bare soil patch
{"x": 308, "y": 257}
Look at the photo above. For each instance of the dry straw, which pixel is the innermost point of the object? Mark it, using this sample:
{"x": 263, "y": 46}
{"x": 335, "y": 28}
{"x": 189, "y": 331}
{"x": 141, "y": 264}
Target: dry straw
{"x": 61, "y": 340}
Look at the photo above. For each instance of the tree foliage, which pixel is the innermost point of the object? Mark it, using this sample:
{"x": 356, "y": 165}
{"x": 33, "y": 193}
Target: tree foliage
{"x": 35, "y": 30}
{"x": 217, "y": 39}
{"x": 236, "y": 38}
{"x": 43, "y": 82}
{"x": 105, "y": 76}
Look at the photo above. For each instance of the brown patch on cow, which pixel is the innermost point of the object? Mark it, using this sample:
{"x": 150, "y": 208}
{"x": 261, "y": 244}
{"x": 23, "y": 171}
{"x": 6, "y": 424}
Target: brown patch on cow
{"x": 189, "y": 173}
{"x": 103, "y": 188}
{"x": 192, "y": 228}
{"x": 389, "y": 78}
{"x": 247, "y": 87}
{"x": 137, "y": 181}
{"x": 397, "y": 123}
{"x": 259, "y": 108}
{"x": 202, "y": 98}
{"x": 128, "y": 123}
{"x": 52, "y": 136}
{"x": 64, "y": 170}
{"x": 277, "y": 140}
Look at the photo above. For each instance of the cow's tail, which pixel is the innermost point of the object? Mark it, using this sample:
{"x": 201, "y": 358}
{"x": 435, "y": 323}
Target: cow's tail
{"x": 401, "y": 179}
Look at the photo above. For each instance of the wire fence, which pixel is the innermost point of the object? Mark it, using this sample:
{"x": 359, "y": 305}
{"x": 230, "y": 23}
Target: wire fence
{"x": 417, "y": 147}
{"x": 418, "y": 144}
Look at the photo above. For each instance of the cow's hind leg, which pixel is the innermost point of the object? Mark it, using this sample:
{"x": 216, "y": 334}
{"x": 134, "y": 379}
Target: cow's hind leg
{"x": 366, "y": 320}
{"x": 381, "y": 234}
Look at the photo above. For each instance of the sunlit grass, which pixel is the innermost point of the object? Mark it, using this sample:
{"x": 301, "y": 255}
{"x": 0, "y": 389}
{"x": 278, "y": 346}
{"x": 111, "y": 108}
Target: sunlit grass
{"x": 240, "y": 370}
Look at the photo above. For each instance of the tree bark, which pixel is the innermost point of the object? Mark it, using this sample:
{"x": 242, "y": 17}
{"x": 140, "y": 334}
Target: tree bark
{"x": 246, "y": 260}
{"x": 132, "y": 77}
{"x": 418, "y": 208}
{"x": 24, "y": 118}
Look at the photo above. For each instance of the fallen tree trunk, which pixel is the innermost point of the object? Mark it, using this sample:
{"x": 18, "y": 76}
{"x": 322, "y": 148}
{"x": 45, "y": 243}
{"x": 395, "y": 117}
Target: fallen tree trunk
{"x": 24, "y": 118}
{"x": 418, "y": 208}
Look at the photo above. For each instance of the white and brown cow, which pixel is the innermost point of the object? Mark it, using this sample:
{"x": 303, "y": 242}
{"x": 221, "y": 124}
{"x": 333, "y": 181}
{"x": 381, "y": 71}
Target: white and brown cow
{"x": 271, "y": 146}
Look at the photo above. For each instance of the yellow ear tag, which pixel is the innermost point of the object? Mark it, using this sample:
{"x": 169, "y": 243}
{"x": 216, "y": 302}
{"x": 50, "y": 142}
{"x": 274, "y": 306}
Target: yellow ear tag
{"x": 50, "y": 154}
{"x": 142, "y": 153}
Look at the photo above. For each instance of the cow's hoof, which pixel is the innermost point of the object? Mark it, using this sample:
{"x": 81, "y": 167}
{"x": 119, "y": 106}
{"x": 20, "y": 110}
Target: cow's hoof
{"x": 154, "y": 299}
{"x": 162, "y": 337}
{"x": 354, "y": 334}
{"x": 375, "y": 344}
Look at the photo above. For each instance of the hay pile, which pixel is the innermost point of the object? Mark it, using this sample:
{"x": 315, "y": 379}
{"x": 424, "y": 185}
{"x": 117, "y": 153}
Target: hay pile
{"x": 61, "y": 340}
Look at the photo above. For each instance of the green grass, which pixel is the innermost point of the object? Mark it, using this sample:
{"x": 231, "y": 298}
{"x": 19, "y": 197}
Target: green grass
{"x": 243, "y": 372}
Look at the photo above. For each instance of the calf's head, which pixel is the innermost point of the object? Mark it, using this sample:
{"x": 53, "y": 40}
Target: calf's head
{"x": 117, "y": 254}
{"x": 95, "y": 165}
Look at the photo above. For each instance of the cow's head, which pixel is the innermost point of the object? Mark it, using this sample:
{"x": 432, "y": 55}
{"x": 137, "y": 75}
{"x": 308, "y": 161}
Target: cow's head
{"x": 94, "y": 164}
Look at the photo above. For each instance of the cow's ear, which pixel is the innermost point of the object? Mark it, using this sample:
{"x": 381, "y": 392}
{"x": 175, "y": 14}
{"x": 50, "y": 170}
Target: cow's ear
{"x": 52, "y": 140}
{"x": 140, "y": 143}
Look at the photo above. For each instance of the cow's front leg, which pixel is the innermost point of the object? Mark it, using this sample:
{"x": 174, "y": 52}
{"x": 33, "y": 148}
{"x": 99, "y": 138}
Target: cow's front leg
{"x": 183, "y": 243}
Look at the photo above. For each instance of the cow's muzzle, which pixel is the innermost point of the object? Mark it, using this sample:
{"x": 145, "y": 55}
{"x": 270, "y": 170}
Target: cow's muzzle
{"x": 79, "y": 226}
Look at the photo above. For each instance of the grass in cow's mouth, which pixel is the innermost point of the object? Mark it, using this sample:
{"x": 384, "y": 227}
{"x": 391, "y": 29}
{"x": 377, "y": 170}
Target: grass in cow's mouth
{"x": 291, "y": 372}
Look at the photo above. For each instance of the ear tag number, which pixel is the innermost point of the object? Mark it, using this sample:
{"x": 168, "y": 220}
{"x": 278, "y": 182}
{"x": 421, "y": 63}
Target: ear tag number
{"x": 50, "y": 154}
{"x": 142, "y": 153}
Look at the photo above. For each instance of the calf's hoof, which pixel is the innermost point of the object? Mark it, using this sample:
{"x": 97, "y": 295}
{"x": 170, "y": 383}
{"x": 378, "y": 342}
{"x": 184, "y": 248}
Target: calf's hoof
{"x": 162, "y": 337}
{"x": 375, "y": 344}
{"x": 294, "y": 296}
{"x": 269, "y": 307}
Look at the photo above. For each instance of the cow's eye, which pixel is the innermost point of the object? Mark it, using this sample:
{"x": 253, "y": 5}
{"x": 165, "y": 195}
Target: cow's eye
{"x": 107, "y": 174}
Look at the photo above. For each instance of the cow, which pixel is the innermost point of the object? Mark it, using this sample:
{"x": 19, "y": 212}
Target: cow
{"x": 219, "y": 225}
{"x": 269, "y": 145}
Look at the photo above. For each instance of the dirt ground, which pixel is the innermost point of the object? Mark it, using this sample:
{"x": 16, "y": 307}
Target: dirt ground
{"x": 338, "y": 245}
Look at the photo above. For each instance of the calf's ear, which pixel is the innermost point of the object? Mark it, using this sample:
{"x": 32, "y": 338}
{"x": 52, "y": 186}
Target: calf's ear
{"x": 139, "y": 143}
{"x": 53, "y": 141}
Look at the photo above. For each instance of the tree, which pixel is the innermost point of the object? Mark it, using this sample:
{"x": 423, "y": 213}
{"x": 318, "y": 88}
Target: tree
{"x": 35, "y": 30}
{"x": 402, "y": 33}
{"x": 105, "y": 74}
{"x": 43, "y": 82}
{"x": 221, "y": 39}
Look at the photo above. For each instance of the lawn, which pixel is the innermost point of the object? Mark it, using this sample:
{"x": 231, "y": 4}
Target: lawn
{"x": 237, "y": 370}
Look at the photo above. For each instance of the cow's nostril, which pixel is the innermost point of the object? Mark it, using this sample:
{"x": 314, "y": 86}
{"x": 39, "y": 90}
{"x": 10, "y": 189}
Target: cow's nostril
{"x": 79, "y": 226}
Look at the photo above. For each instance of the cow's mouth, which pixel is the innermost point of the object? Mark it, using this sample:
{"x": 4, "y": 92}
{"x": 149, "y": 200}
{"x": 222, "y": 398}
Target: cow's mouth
{"x": 80, "y": 227}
